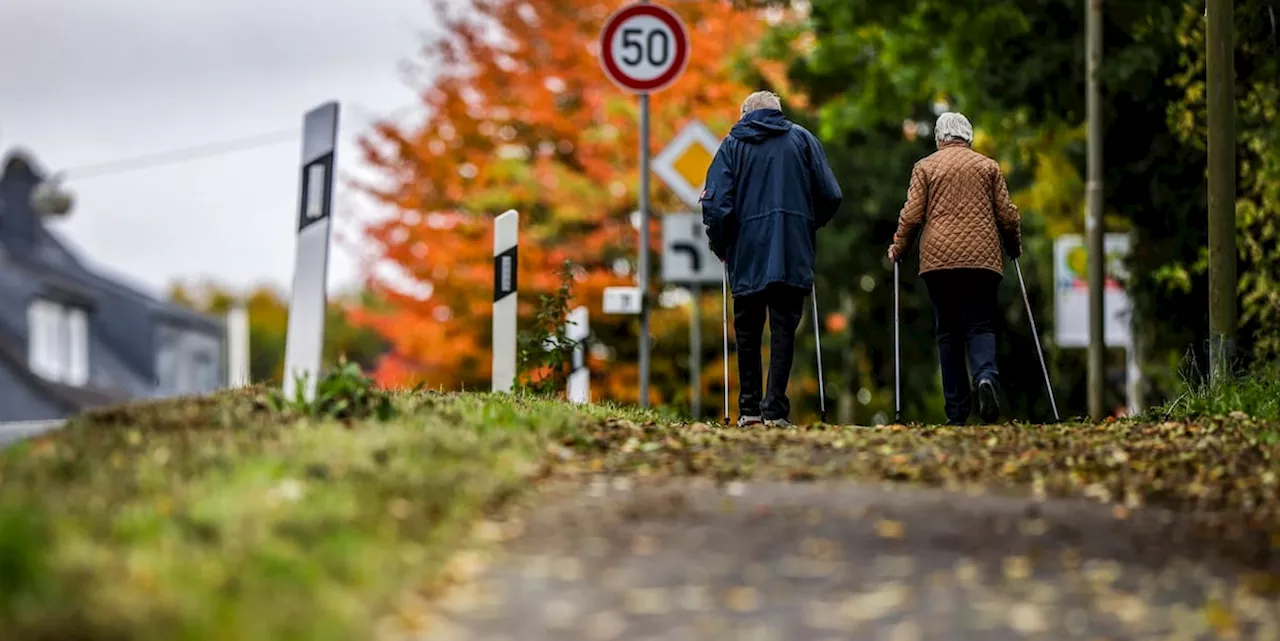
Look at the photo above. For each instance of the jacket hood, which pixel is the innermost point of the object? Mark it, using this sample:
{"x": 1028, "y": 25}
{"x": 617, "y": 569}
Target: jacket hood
{"x": 761, "y": 124}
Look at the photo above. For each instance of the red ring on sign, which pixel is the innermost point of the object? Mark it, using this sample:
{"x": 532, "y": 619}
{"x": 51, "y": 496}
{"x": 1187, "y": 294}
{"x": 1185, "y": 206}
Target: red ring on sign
{"x": 672, "y": 21}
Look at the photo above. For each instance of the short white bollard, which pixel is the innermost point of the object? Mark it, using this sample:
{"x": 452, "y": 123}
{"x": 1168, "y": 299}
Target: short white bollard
{"x": 577, "y": 330}
{"x": 237, "y": 346}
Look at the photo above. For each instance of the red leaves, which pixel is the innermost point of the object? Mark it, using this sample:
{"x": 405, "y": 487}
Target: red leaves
{"x": 522, "y": 117}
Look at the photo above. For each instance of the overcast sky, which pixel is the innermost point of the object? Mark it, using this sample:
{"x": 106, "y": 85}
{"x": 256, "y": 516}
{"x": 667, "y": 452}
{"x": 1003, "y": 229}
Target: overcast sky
{"x": 84, "y": 82}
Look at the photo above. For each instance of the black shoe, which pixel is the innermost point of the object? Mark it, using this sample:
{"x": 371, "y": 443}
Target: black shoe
{"x": 988, "y": 403}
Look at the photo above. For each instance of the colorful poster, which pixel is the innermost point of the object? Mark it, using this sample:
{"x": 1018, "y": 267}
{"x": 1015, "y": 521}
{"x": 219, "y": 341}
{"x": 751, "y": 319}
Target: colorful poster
{"x": 1071, "y": 291}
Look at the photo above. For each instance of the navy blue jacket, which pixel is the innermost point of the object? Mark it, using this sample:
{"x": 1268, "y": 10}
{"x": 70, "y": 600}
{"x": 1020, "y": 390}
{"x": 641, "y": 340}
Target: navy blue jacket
{"x": 768, "y": 191}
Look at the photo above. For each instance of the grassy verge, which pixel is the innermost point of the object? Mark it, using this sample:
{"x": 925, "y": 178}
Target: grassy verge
{"x": 1256, "y": 393}
{"x": 239, "y": 517}
{"x": 223, "y": 518}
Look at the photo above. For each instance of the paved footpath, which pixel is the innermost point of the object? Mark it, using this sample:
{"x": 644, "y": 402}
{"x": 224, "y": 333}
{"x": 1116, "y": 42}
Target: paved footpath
{"x": 617, "y": 559}
{"x": 11, "y": 433}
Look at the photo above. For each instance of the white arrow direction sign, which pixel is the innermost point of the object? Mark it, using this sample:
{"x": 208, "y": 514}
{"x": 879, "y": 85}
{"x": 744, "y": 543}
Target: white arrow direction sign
{"x": 687, "y": 258}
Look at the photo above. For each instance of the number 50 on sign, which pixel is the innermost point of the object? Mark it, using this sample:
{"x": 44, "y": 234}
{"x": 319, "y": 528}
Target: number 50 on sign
{"x": 644, "y": 47}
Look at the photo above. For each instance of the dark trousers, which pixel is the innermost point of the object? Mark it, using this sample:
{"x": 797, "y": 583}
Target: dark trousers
{"x": 784, "y": 306}
{"x": 964, "y": 311}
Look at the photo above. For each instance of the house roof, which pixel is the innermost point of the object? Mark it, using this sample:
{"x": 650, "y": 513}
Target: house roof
{"x": 36, "y": 261}
{"x": 52, "y": 283}
{"x": 59, "y": 262}
{"x": 19, "y": 284}
{"x": 100, "y": 278}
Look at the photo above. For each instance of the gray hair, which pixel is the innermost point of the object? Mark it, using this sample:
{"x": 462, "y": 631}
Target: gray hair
{"x": 761, "y": 100}
{"x": 952, "y": 126}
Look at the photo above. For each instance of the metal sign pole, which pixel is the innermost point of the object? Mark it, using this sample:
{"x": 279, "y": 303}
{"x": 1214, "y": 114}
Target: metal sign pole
{"x": 643, "y": 48}
{"x": 695, "y": 353}
{"x": 644, "y": 250}
{"x": 304, "y": 342}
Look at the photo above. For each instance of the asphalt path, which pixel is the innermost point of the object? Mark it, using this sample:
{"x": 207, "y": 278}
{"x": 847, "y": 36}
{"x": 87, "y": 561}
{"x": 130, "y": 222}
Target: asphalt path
{"x": 619, "y": 559}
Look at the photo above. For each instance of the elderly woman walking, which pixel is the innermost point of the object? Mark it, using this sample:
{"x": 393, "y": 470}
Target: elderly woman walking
{"x": 958, "y": 204}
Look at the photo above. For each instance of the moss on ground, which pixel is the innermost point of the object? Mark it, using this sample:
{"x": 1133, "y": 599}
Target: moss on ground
{"x": 233, "y": 517}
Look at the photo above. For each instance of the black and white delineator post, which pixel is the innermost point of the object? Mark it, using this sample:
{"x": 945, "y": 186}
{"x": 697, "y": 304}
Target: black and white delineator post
{"x": 305, "y": 340}
{"x": 578, "y": 330}
{"x": 506, "y": 235}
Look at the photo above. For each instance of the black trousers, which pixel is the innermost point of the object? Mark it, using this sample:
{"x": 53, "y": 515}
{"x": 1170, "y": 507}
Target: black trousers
{"x": 964, "y": 311}
{"x": 784, "y": 306}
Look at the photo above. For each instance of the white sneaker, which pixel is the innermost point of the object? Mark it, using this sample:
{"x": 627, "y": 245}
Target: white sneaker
{"x": 748, "y": 421}
{"x": 778, "y": 422}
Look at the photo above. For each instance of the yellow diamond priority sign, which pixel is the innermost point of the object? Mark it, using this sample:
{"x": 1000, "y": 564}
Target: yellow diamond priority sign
{"x": 683, "y": 163}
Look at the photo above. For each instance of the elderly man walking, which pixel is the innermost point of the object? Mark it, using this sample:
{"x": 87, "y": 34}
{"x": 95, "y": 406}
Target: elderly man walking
{"x": 768, "y": 191}
{"x": 958, "y": 204}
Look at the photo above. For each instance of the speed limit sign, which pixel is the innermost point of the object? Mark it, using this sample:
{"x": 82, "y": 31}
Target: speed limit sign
{"x": 644, "y": 47}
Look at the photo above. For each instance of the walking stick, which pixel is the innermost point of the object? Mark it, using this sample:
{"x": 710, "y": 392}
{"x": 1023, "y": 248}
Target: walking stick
{"x": 724, "y": 321}
{"x": 897, "y": 355}
{"x": 1036, "y": 335}
{"x": 817, "y": 338}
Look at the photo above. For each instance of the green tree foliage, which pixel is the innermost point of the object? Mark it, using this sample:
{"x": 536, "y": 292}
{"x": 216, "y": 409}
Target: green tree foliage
{"x": 1257, "y": 66}
{"x": 872, "y": 72}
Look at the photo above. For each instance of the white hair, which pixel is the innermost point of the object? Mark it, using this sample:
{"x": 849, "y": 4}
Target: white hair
{"x": 952, "y": 126}
{"x": 761, "y": 100}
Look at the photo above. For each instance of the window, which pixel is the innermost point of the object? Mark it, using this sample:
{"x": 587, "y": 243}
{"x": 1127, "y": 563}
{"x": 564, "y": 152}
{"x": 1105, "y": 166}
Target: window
{"x": 58, "y": 347}
{"x": 188, "y": 362}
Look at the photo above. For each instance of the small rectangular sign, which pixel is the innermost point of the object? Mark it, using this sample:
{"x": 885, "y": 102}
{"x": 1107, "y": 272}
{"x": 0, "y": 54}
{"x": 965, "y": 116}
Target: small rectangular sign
{"x": 622, "y": 300}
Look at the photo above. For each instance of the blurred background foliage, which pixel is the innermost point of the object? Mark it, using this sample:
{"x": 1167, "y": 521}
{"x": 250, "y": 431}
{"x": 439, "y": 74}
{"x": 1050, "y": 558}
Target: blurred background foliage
{"x": 522, "y": 123}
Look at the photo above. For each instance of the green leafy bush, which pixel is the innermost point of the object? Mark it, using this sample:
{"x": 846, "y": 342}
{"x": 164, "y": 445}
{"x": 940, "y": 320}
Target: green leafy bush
{"x": 545, "y": 351}
{"x": 344, "y": 393}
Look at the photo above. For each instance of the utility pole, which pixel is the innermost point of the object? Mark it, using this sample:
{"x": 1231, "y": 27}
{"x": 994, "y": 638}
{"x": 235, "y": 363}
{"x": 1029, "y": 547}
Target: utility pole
{"x": 1093, "y": 217}
{"x": 1220, "y": 48}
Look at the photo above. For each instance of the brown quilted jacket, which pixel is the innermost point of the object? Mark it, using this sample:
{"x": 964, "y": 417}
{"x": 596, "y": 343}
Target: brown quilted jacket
{"x": 960, "y": 198}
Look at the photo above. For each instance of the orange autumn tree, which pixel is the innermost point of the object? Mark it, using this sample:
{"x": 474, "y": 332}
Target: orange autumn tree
{"x": 520, "y": 116}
